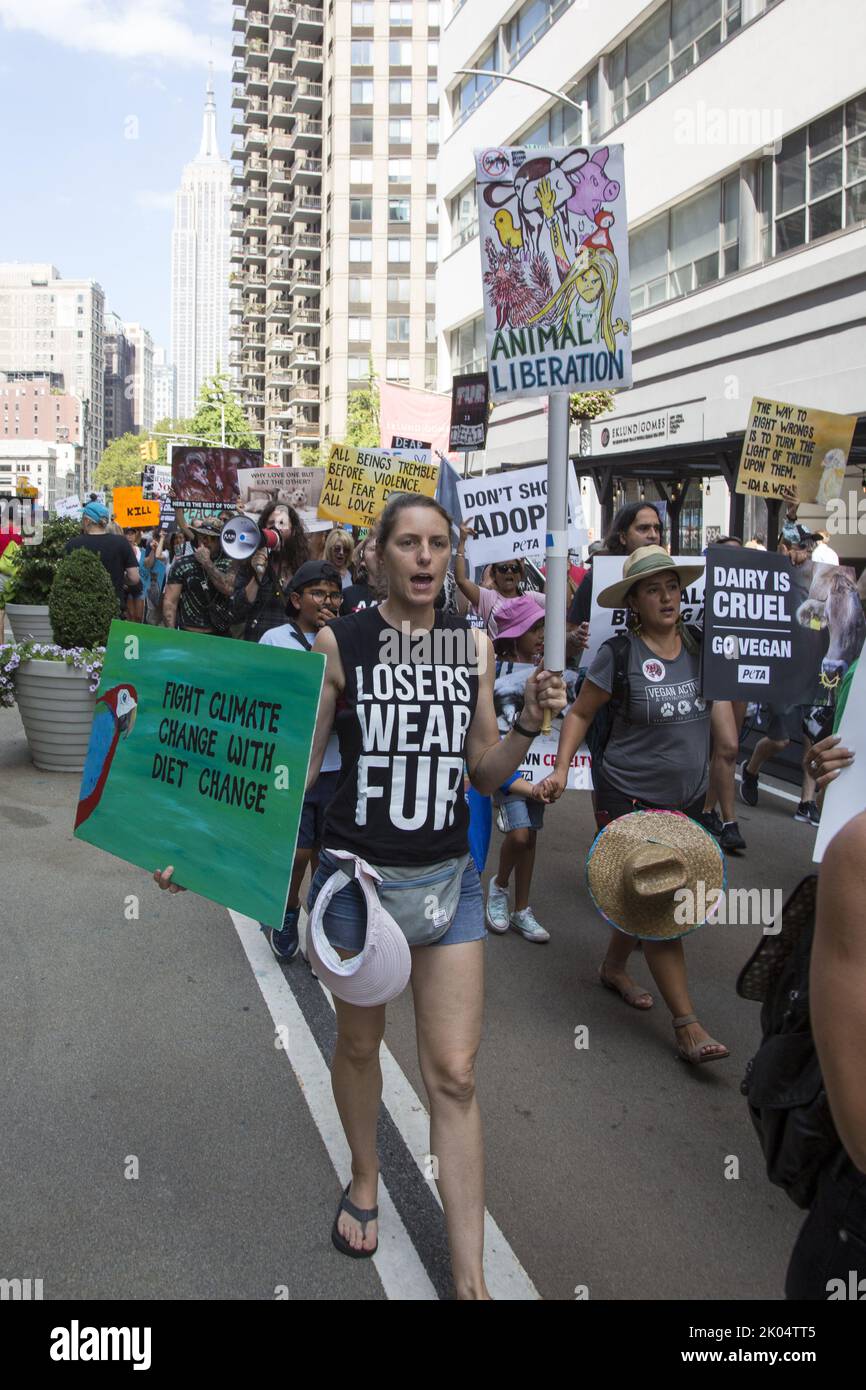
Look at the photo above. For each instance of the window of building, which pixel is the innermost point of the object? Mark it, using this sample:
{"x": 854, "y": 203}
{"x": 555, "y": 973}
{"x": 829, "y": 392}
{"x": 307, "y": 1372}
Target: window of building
{"x": 398, "y": 289}
{"x": 362, "y": 11}
{"x": 400, "y": 53}
{"x": 464, "y": 216}
{"x": 820, "y": 178}
{"x": 432, "y": 250}
{"x": 360, "y": 289}
{"x": 400, "y": 131}
{"x": 360, "y": 248}
{"x": 359, "y": 330}
{"x": 432, "y": 53}
{"x": 468, "y": 347}
{"x": 361, "y": 170}
{"x": 434, "y": 14}
{"x": 362, "y": 53}
{"x": 362, "y": 91}
{"x": 692, "y": 245}
{"x": 432, "y": 92}
{"x": 398, "y": 330}
{"x": 399, "y": 249}
{"x": 526, "y": 27}
{"x": 432, "y": 130}
{"x": 472, "y": 90}
{"x": 397, "y": 369}
{"x": 399, "y": 170}
{"x": 432, "y": 212}
{"x": 358, "y": 368}
{"x": 360, "y": 209}
{"x": 361, "y": 130}
{"x": 430, "y": 291}
{"x": 400, "y": 91}
{"x": 430, "y": 330}
{"x": 400, "y": 14}
{"x": 676, "y": 37}
{"x": 398, "y": 209}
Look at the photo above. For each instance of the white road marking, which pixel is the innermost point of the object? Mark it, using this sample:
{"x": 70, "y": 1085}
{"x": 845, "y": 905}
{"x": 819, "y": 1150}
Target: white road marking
{"x": 505, "y": 1276}
{"x": 397, "y": 1263}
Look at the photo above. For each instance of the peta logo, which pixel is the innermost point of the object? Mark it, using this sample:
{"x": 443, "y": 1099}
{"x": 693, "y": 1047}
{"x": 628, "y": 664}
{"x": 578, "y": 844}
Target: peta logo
{"x": 77, "y": 1343}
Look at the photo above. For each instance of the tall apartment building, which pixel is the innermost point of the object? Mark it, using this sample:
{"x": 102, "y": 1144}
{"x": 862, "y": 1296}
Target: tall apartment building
{"x": 746, "y": 191}
{"x": 200, "y": 267}
{"x": 51, "y": 325}
{"x": 333, "y": 208}
{"x": 142, "y": 377}
{"x": 118, "y": 379}
{"x": 164, "y": 387}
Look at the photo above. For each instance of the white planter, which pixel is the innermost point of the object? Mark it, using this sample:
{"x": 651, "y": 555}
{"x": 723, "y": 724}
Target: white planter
{"x": 56, "y": 709}
{"x": 30, "y": 621}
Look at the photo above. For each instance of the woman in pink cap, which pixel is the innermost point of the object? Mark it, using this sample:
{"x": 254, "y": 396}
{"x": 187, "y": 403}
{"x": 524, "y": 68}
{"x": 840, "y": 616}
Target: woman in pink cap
{"x": 519, "y": 647}
{"x": 507, "y": 579}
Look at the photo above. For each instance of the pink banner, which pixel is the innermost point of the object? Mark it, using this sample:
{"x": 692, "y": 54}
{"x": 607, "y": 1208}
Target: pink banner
{"x": 415, "y": 414}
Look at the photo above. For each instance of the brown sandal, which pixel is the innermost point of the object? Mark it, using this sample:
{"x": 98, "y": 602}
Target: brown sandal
{"x": 696, "y": 1055}
{"x": 630, "y": 995}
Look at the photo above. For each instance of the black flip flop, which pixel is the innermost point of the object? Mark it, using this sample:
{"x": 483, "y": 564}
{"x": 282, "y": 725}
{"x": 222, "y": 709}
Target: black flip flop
{"x": 362, "y": 1217}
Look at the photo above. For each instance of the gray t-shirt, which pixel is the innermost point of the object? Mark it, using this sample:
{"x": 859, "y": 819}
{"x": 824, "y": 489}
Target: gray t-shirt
{"x": 659, "y": 753}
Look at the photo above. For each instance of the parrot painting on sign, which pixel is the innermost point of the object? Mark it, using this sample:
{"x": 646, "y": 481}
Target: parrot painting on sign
{"x": 113, "y": 717}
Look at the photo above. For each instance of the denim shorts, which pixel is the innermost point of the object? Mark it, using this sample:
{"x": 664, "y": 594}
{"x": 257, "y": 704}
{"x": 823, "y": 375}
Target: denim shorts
{"x": 345, "y": 919}
{"x": 518, "y": 813}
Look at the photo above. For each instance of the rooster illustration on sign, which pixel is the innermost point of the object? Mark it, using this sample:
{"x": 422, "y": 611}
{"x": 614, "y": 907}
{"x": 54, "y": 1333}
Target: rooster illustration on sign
{"x": 114, "y": 716}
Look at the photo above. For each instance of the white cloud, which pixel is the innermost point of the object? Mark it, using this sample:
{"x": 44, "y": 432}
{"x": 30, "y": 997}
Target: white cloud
{"x": 125, "y": 29}
{"x": 152, "y": 200}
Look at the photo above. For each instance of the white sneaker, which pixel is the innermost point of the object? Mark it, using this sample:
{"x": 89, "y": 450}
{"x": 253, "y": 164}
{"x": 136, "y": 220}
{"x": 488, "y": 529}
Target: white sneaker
{"x": 527, "y": 924}
{"x": 496, "y": 911}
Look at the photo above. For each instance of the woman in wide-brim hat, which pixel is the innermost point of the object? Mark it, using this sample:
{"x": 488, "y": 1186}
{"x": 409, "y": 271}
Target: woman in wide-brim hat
{"x": 657, "y": 755}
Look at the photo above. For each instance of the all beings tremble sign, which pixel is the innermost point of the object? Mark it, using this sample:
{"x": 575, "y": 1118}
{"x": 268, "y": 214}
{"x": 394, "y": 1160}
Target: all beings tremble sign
{"x": 554, "y": 253}
{"x": 198, "y": 758}
{"x": 358, "y": 482}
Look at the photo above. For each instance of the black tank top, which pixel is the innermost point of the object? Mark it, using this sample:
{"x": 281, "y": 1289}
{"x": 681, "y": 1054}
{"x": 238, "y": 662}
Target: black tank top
{"x": 402, "y": 728}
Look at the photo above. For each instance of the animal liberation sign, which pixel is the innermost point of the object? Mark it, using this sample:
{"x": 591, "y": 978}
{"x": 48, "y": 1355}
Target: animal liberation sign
{"x": 786, "y": 446}
{"x": 207, "y": 743}
{"x": 554, "y": 253}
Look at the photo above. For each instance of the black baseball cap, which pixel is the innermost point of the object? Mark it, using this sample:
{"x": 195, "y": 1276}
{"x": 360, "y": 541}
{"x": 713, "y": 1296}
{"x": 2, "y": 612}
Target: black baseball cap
{"x": 313, "y": 572}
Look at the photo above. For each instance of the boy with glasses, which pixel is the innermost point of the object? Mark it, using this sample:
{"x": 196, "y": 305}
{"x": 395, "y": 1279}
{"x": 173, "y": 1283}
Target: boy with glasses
{"x": 315, "y": 594}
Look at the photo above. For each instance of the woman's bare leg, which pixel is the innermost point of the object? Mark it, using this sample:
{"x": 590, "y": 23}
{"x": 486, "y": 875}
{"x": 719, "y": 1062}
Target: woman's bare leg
{"x": 356, "y": 1078}
{"x": 448, "y": 985}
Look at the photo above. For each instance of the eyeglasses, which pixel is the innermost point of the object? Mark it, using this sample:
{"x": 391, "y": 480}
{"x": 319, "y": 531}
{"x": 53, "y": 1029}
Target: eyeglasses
{"x": 325, "y": 596}
{"x": 507, "y": 569}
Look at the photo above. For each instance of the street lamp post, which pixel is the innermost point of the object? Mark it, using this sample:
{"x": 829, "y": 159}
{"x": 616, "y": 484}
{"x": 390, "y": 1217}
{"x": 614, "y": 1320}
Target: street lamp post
{"x": 556, "y": 566}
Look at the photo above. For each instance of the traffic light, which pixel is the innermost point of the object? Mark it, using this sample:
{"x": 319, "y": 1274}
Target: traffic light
{"x": 148, "y": 451}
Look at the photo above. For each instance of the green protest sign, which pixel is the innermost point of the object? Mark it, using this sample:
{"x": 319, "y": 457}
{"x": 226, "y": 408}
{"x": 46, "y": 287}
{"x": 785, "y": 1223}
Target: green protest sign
{"x": 198, "y": 758}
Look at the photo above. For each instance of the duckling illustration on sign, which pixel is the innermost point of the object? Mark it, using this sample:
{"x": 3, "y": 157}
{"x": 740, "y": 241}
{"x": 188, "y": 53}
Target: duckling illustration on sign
{"x": 508, "y": 234}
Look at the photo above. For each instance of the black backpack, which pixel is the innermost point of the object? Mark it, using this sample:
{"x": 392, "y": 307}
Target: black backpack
{"x": 783, "y": 1084}
{"x": 599, "y": 732}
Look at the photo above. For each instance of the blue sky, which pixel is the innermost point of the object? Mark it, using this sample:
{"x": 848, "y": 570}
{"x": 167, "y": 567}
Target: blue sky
{"x": 78, "y": 78}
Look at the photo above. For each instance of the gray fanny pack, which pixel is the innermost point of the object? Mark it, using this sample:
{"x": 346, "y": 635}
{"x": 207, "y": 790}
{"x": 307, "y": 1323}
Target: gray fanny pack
{"x": 423, "y": 902}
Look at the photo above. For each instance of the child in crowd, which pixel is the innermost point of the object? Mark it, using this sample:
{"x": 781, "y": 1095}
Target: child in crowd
{"x": 518, "y": 646}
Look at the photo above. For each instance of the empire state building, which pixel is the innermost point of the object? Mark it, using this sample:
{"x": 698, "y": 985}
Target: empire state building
{"x": 200, "y": 248}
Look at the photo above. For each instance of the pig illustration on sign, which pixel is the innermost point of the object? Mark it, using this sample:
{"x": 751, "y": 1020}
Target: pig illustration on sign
{"x": 592, "y": 190}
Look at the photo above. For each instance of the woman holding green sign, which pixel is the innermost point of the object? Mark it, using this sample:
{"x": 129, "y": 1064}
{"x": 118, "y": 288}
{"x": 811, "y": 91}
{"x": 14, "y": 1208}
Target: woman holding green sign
{"x": 409, "y": 690}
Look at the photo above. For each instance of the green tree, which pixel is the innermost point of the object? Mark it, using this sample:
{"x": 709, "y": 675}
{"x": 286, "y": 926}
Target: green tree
{"x": 362, "y": 414}
{"x": 121, "y": 464}
{"x": 311, "y": 457}
{"x": 164, "y": 427}
{"x": 215, "y": 398}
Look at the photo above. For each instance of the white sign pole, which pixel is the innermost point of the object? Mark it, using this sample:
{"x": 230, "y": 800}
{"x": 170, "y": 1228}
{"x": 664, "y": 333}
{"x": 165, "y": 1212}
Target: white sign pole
{"x": 556, "y": 573}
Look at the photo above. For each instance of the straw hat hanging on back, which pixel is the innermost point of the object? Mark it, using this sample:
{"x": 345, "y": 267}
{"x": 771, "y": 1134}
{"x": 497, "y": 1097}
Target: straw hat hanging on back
{"x": 638, "y": 865}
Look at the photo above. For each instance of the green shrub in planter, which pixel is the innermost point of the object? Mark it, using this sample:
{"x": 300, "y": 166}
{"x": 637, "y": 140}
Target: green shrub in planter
{"x": 82, "y": 602}
{"x": 34, "y": 575}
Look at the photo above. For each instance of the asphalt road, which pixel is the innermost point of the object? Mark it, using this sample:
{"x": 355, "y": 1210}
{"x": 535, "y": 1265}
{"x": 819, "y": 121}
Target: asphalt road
{"x": 148, "y": 1046}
